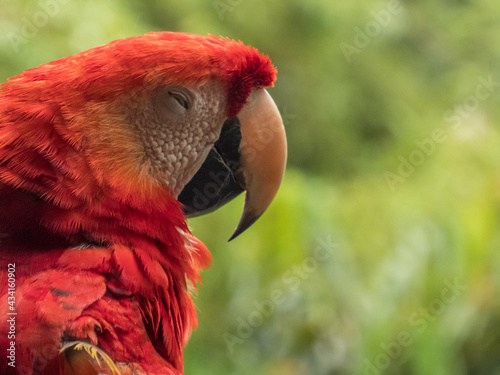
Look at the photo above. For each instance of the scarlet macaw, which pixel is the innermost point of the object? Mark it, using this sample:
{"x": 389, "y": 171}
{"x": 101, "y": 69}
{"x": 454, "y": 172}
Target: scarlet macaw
{"x": 102, "y": 155}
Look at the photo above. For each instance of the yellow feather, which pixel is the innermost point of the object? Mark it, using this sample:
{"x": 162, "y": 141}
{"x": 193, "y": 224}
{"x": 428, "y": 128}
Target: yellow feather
{"x": 94, "y": 352}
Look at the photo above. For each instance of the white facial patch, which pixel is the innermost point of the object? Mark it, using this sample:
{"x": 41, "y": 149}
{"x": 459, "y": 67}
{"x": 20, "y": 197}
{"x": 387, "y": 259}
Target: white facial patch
{"x": 176, "y": 127}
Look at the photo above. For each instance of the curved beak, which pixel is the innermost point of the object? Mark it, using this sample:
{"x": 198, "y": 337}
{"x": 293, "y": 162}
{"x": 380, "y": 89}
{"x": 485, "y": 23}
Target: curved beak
{"x": 249, "y": 155}
{"x": 263, "y": 155}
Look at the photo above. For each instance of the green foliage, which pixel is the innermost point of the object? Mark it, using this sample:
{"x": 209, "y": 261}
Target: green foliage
{"x": 380, "y": 253}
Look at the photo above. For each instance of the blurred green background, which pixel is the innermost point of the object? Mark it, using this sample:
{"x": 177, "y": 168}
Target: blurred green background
{"x": 381, "y": 253}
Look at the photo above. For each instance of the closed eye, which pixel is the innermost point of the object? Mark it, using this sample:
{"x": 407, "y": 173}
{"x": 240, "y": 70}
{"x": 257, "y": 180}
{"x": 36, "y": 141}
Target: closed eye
{"x": 180, "y": 98}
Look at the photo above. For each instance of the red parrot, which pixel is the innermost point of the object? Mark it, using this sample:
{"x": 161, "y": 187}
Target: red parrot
{"x": 103, "y": 155}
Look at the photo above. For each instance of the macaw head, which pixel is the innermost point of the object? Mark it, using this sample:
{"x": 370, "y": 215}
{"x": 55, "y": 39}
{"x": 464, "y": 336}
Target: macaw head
{"x": 164, "y": 111}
